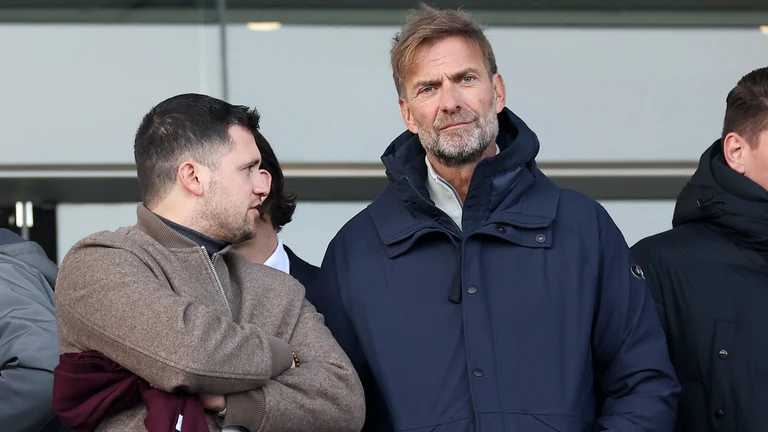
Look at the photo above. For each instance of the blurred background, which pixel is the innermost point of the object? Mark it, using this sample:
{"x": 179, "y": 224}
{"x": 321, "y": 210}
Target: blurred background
{"x": 623, "y": 94}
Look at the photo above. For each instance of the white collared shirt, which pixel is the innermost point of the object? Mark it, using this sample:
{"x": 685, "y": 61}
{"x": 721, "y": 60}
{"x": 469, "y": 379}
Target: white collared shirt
{"x": 279, "y": 258}
{"x": 444, "y": 195}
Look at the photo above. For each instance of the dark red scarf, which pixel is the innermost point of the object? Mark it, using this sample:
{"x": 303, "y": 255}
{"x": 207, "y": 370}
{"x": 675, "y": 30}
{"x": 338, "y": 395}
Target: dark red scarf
{"x": 88, "y": 387}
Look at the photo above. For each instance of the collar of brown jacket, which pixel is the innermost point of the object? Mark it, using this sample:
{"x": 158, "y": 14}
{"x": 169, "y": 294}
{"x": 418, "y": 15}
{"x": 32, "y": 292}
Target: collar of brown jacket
{"x": 169, "y": 238}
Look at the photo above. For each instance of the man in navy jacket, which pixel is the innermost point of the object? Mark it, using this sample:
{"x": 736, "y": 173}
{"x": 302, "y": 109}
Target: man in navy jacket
{"x": 474, "y": 294}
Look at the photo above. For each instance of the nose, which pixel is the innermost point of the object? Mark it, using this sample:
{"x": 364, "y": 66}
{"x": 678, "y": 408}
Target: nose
{"x": 450, "y": 98}
{"x": 262, "y": 183}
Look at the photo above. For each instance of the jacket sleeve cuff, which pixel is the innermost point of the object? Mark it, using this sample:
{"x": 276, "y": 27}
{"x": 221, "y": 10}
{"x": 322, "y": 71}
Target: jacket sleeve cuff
{"x": 282, "y": 356}
{"x": 246, "y": 409}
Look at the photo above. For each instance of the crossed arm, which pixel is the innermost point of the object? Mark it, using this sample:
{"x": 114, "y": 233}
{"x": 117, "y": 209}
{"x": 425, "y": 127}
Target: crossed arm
{"x": 133, "y": 317}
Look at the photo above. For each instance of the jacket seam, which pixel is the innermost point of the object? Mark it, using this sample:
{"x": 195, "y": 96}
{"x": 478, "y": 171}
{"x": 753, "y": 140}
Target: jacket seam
{"x": 435, "y": 424}
{"x": 528, "y": 413}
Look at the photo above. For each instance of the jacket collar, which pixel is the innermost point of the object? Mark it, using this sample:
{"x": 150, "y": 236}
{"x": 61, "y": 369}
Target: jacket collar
{"x": 494, "y": 194}
{"x": 153, "y": 226}
{"x": 725, "y": 200}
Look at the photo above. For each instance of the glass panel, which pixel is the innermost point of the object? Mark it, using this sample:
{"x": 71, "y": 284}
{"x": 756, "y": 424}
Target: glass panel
{"x": 92, "y": 83}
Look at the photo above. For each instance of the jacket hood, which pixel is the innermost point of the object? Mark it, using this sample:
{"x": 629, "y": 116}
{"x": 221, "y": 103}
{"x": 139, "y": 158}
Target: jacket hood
{"x": 495, "y": 192}
{"x": 29, "y": 253}
{"x": 729, "y": 202}
{"x": 407, "y": 170}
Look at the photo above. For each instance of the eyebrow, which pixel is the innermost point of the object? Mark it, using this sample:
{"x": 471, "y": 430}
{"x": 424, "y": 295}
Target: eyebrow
{"x": 253, "y": 162}
{"x": 453, "y": 77}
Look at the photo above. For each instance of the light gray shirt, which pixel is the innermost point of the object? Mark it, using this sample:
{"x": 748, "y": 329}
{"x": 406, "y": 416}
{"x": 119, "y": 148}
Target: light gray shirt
{"x": 444, "y": 195}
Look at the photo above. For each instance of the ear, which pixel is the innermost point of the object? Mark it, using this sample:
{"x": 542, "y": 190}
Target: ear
{"x": 192, "y": 178}
{"x": 499, "y": 92}
{"x": 267, "y": 178}
{"x": 736, "y": 151}
{"x": 405, "y": 111}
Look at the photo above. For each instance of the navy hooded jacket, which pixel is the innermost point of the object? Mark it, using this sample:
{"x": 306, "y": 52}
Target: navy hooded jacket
{"x": 531, "y": 318}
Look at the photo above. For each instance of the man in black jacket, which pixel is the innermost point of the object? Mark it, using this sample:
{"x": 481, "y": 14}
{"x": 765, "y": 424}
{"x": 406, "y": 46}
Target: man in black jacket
{"x": 709, "y": 274}
{"x": 267, "y": 247}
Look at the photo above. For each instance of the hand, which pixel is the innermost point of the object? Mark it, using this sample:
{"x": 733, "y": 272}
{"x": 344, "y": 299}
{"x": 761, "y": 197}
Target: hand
{"x": 215, "y": 403}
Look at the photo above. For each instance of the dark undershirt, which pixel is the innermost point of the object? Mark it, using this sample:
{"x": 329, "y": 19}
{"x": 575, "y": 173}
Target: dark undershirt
{"x": 211, "y": 245}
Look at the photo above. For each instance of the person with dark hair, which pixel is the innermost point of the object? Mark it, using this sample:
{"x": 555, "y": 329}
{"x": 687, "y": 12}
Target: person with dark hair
{"x": 266, "y": 247}
{"x": 709, "y": 273}
{"x": 473, "y": 294}
{"x": 166, "y": 312}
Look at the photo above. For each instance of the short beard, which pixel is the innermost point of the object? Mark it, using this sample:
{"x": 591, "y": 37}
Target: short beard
{"x": 458, "y": 157}
{"x": 220, "y": 225}
{"x": 463, "y": 146}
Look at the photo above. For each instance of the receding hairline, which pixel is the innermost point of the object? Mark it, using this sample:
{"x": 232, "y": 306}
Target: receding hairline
{"x": 428, "y": 26}
{"x": 417, "y": 54}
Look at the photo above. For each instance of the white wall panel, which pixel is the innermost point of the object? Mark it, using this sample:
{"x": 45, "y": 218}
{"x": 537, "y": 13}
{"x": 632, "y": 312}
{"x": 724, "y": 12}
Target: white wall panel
{"x": 599, "y": 95}
{"x": 315, "y": 224}
{"x": 640, "y": 219}
{"x": 77, "y": 221}
{"x": 75, "y": 94}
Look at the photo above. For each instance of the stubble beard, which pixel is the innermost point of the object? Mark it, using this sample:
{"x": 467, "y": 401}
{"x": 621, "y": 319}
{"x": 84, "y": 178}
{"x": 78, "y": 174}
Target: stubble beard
{"x": 462, "y": 146}
{"x": 224, "y": 224}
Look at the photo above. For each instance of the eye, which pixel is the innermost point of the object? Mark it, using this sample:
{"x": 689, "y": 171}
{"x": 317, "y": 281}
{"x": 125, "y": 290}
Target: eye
{"x": 427, "y": 90}
{"x": 468, "y": 79}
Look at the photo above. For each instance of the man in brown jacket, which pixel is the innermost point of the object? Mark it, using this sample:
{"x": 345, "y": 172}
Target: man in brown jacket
{"x": 171, "y": 301}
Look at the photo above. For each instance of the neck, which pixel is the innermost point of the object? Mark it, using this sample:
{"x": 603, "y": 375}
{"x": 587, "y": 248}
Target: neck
{"x": 261, "y": 246}
{"x": 460, "y": 177}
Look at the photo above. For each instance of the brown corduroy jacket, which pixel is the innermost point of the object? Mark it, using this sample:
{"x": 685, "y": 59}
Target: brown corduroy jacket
{"x": 153, "y": 301}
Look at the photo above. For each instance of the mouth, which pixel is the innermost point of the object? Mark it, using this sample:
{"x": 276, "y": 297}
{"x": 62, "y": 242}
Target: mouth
{"x": 455, "y": 126}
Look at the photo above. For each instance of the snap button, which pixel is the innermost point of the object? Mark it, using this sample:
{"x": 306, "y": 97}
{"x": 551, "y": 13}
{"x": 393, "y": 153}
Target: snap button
{"x": 501, "y": 229}
{"x": 477, "y": 372}
{"x": 541, "y": 238}
{"x": 723, "y": 354}
{"x": 719, "y": 414}
{"x": 472, "y": 290}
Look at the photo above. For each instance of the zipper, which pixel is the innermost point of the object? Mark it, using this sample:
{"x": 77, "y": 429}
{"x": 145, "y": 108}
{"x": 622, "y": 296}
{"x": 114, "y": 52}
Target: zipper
{"x": 418, "y": 194}
{"x": 216, "y": 276}
{"x": 455, "y": 294}
{"x": 453, "y": 191}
